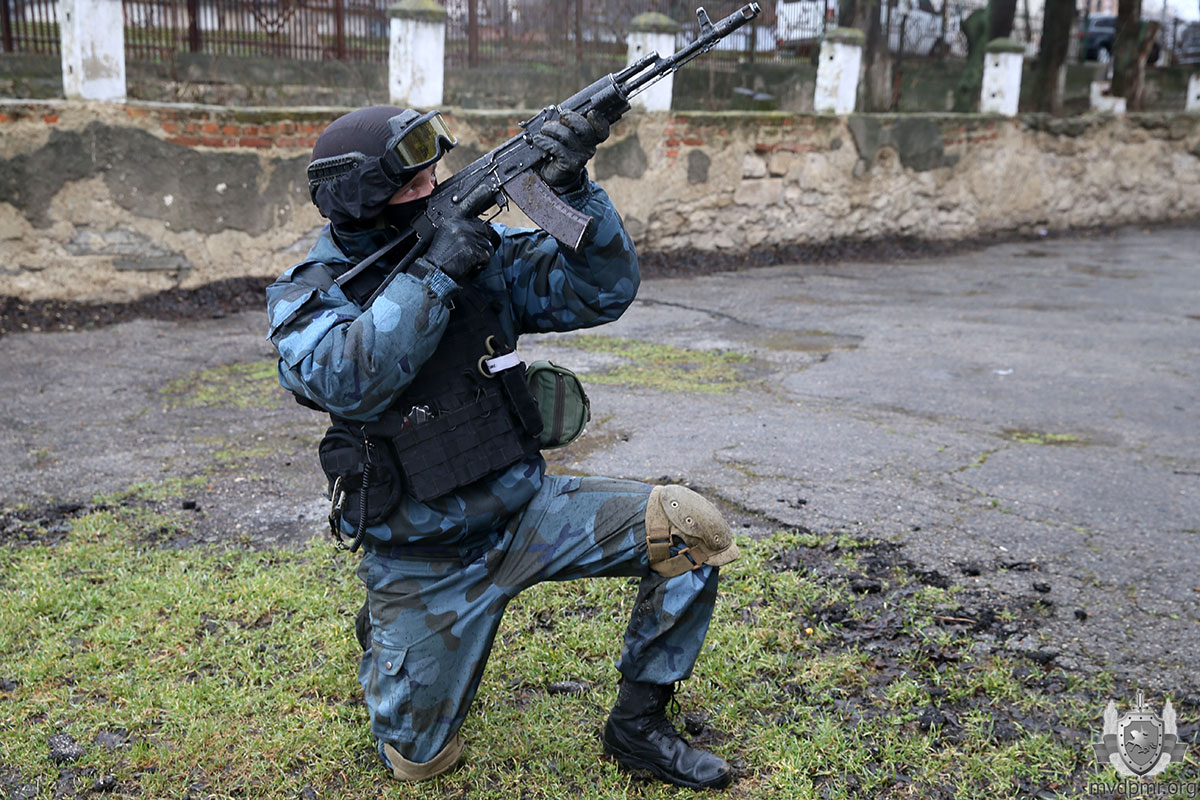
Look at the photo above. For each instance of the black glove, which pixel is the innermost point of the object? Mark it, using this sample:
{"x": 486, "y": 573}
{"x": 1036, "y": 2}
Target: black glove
{"x": 460, "y": 247}
{"x": 570, "y": 140}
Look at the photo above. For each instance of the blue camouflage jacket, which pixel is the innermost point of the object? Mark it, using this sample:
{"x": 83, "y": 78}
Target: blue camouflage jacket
{"x": 357, "y": 363}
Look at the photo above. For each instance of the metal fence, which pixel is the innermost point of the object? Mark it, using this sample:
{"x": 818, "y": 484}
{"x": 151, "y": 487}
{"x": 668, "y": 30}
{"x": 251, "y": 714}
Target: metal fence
{"x": 480, "y": 33}
{"x": 1180, "y": 41}
{"x": 29, "y": 26}
{"x": 353, "y": 30}
{"x": 483, "y": 33}
{"x": 155, "y": 30}
{"x": 492, "y": 33}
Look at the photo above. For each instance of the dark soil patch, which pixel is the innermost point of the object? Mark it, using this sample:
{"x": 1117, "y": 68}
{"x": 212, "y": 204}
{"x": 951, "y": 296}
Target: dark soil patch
{"x": 872, "y": 618}
{"x": 205, "y": 302}
{"x": 40, "y": 525}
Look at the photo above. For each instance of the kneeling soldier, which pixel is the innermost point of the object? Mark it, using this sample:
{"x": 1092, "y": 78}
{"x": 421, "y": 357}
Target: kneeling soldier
{"x": 433, "y": 466}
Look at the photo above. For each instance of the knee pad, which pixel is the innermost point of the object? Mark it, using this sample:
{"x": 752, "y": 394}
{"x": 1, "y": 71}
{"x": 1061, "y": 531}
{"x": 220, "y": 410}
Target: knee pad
{"x": 677, "y": 515}
{"x": 444, "y": 761}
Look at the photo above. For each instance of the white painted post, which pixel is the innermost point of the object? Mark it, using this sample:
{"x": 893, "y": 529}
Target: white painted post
{"x": 93, "y": 49}
{"x": 1193, "y": 95}
{"x": 1001, "y": 90}
{"x": 417, "y": 54}
{"x": 1105, "y": 103}
{"x": 837, "y": 71}
{"x": 652, "y": 33}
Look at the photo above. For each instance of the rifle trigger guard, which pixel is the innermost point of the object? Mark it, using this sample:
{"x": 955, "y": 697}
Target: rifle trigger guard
{"x": 501, "y": 202}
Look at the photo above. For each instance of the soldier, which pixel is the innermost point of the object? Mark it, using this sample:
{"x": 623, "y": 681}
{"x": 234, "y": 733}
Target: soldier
{"x": 458, "y": 514}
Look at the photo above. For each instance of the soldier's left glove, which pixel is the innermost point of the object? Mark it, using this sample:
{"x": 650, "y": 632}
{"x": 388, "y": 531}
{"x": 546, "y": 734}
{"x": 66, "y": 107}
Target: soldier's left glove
{"x": 570, "y": 140}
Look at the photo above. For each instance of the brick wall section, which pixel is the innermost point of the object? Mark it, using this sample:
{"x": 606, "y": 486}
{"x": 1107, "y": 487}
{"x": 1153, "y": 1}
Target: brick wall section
{"x": 258, "y": 129}
{"x": 253, "y": 128}
{"x": 192, "y": 127}
{"x": 209, "y": 129}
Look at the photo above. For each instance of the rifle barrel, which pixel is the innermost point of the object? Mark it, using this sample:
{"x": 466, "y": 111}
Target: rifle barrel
{"x": 704, "y": 43}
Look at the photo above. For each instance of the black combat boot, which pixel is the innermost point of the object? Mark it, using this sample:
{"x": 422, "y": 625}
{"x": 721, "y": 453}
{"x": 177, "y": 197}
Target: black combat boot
{"x": 640, "y": 737}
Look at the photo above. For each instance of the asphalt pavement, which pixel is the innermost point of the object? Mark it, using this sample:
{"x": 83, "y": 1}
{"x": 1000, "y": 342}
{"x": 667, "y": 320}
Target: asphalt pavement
{"x": 1024, "y": 419}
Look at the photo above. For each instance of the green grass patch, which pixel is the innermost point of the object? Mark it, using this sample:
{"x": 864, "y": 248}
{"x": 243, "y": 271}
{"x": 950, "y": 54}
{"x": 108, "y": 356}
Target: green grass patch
{"x": 1022, "y": 436}
{"x": 252, "y": 384}
{"x": 663, "y": 367}
{"x": 219, "y": 672}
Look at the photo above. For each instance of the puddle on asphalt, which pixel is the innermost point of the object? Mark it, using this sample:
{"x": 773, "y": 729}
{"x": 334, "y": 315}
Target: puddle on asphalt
{"x": 808, "y": 341}
{"x": 806, "y": 299}
{"x": 1100, "y": 272}
{"x": 1044, "y": 307}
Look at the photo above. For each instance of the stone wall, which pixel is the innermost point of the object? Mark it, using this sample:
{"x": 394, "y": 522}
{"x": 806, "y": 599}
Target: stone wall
{"x": 115, "y": 201}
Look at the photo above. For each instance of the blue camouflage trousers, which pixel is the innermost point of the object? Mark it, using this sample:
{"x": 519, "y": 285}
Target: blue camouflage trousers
{"x": 433, "y": 622}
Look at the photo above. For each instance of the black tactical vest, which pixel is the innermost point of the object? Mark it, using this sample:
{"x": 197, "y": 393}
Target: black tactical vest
{"x": 454, "y": 424}
{"x": 457, "y": 422}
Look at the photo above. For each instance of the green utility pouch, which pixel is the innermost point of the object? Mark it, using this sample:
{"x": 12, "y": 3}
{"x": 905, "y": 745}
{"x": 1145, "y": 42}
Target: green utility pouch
{"x": 564, "y": 405}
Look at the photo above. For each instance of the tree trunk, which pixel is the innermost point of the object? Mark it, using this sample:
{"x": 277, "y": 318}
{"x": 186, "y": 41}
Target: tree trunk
{"x": 1001, "y": 14}
{"x": 877, "y": 62}
{"x": 848, "y": 14}
{"x": 966, "y": 95}
{"x": 1124, "y": 55}
{"x": 1052, "y": 55}
{"x": 981, "y": 27}
{"x": 875, "y": 87}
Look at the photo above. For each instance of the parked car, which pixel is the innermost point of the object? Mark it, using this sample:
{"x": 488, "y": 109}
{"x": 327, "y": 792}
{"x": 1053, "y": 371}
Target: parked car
{"x": 1098, "y": 40}
{"x": 802, "y": 23}
{"x": 1187, "y": 49}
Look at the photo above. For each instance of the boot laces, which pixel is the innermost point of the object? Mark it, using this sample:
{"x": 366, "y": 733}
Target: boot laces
{"x": 662, "y": 720}
{"x": 673, "y": 709}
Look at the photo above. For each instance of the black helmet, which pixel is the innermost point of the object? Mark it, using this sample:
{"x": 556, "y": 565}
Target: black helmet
{"x": 363, "y": 157}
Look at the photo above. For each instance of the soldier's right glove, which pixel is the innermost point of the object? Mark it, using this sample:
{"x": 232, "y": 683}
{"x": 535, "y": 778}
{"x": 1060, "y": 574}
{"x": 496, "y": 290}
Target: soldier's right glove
{"x": 570, "y": 140}
{"x": 460, "y": 247}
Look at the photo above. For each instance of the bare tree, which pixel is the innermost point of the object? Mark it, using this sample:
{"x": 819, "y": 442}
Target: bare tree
{"x": 876, "y": 87}
{"x": 1124, "y": 55}
{"x": 1001, "y": 14}
{"x": 970, "y": 81}
{"x": 1131, "y": 49}
{"x": 981, "y": 27}
{"x": 1052, "y": 55}
{"x": 877, "y": 60}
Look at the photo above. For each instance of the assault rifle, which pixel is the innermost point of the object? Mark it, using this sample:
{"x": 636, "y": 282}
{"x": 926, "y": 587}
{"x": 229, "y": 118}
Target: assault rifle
{"x": 510, "y": 172}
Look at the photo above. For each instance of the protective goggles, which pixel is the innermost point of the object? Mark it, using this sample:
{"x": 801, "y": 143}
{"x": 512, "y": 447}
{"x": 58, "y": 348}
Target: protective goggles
{"x": 417, "y": 141}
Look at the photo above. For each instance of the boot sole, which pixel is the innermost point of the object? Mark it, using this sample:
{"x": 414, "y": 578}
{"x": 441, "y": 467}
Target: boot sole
{"x": 633, "y": 763}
